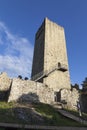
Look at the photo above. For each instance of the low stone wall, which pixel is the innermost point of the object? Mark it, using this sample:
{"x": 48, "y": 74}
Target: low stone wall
{"x": 69, "y": 98}
{"x": 30, "y": 91}
{"x": 5, "y": 82}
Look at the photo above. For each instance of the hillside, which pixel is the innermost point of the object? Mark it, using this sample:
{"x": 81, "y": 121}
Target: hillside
{"x": 31, "y": 114}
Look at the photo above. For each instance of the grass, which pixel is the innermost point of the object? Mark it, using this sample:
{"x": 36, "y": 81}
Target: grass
{"x": 54, "y": 118}
{"x": 76, "y": 113}
{"x": 6, "y": 113}
{"x": 47, "y": 112}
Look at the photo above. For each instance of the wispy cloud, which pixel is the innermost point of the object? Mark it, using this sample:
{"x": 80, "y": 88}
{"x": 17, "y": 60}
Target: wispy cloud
{"x": 15, "y": 53}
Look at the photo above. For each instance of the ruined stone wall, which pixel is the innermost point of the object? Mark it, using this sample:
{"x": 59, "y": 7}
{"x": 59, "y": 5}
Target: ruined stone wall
{"x": 69, "y": 98}
{"x": 5, "y": 82}
{"x": 30, "y": 91}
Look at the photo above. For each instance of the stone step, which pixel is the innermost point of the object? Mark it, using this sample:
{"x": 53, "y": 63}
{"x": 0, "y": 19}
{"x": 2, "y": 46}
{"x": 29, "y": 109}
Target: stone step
{"x": 57, "y": 105}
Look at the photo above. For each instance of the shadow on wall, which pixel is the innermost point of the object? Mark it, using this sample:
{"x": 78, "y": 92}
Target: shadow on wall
{"x": 29, "y": 98}
{"x": 3, "y": 95}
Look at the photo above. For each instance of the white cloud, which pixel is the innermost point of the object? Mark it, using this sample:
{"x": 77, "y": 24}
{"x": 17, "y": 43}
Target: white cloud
{"x": 15, "y": 53}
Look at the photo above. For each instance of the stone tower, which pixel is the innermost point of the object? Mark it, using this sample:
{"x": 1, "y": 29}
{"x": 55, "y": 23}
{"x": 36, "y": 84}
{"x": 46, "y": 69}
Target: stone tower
{"x": 50, "y": 64}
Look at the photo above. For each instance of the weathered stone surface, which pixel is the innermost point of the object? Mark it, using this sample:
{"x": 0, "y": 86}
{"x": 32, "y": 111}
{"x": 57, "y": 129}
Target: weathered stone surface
{"x": 55, "y": 52}
{"x": 50, "y": 67}
{"x": 50, "y": 49}
{"x": 5, "y": 82}
{"x": 30, "y": 91}
{"x": 69, "y": 98}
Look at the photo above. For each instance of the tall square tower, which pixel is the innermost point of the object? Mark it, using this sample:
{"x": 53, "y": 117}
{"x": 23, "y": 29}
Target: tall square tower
{"x": 50, "y": 64}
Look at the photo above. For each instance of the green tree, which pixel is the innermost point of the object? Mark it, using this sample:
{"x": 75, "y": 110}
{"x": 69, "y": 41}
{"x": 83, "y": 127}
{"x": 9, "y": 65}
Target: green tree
{"x": 19, "y": 76}
{"x": 26, "y": 78}
{"x": 75, "y": 86}
{"x": 84, "y": 85}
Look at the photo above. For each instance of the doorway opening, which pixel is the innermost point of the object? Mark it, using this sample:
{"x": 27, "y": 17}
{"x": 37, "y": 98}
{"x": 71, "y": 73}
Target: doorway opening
{"x": 57, "y": 96}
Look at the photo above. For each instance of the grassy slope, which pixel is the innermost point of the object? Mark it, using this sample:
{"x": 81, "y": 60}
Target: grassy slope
{"x": 76, "y": 113}
{"x": 6, "y": 113}
{"x": 48, "y": 114}
{"x": 53, "y": 117}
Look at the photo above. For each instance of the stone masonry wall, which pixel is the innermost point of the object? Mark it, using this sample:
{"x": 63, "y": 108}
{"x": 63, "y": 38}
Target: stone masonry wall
{"x": 58, "y": 80}
{"x": 5, "y": 82}
{"x": 38, "y": 57}
{"x": 30, "y": 91}
{"x": 69, "y": 98}
{"x": 55, "y": 52}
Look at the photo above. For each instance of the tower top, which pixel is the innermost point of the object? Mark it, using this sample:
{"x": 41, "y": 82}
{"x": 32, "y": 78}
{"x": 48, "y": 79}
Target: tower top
{"x": 46, "y": 19}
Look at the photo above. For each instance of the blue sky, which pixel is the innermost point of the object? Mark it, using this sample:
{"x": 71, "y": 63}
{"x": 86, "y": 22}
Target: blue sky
{"x": 19, "y": 21}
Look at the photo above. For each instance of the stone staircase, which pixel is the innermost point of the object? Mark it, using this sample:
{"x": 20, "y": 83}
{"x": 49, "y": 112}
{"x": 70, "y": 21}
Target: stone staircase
{"x": 71, "y": 116}
{"x": 57, "y": 105}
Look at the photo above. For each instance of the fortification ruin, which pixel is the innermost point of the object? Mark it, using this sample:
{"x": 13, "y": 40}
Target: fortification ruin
{"x": 50, "y": 79}
{"x": 50, "y": 64}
